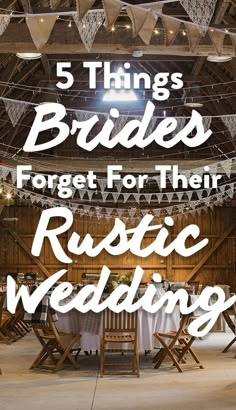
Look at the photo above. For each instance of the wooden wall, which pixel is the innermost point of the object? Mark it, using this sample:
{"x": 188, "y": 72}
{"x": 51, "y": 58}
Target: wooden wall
{"x": 220, "y": 268}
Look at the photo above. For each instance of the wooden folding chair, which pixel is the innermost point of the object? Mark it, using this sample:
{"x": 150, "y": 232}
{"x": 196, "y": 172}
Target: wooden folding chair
{"x": 56, "y": 346}
{"x": 5, "y": 318}
{"x": 195, "y": 285}
{"x": 232, "y": 325}
{"x": 177, "y": 345}
{"x": 119, "y": 334}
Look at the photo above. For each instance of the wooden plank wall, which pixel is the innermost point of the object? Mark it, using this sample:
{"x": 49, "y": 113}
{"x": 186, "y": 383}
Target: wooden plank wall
{"x": 220, "y": 268}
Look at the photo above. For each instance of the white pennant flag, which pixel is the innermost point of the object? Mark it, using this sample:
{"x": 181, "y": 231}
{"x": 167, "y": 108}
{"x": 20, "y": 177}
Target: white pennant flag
{"x": 206, "y": 123}
{"x": 90, "y": 194}
{"x": 4, "y": 21}
{"x": 222, "y": 188}
{"x": 169, "y": 196}
{"x": 15, "y": 110}
{"x": 104, "y": 196}
{"x": 226, "y": 166}
{"x": 115, "y": 196}
{"x": 148, "y": 197}
{"x": 126, "y": 197}
{"x": 88, "y": 26}
{"x": 82, "y": 192}
{"x": 102, "y": 184}
{"x": 118, "y": 185}
{"x": 159, "y": 197}
{"x": 200, "y": 12}
{"x": 199, "y": 194}
{"x": 136, "y": 197}
{"x": 230, "y": 123}
{"x": 180, "y": 195}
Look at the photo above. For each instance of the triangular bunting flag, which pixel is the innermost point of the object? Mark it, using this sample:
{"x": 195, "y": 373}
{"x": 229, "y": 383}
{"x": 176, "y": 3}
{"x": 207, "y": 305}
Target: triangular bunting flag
{"x": 82, "y": 192}
{"x": 15, "y": 110}
{"x": 83, "y": 6}
{"x": 169, "y": 196}
{"x": 4, "y": 21}
{"x": 194, "y": 36}
{"x": 138, "y": 17}
{"x": 136, "y": 197}
{"x": 102, "y": 184}
{"x": 206, "y": 123}
{"x": 115, "y": 196}
{"x": 226, "y": 166}
{"x": 200, "y": 12}
{"x": 89, "y": 26}
{"x": 90, "y": 194}
{"x": 112, "y": 9}
{"x": 180, "y": 195}
{"x": 230, "y": 123}
{"x": 217, "y": 39}
{"x": 126, "y": 197}
{"x": 147, "y": 30}
{"x": 171, "y": 26}
{"x": 199, "y": 194}
{"x": 40, "y": 28}
{"x": 148, "y": 197}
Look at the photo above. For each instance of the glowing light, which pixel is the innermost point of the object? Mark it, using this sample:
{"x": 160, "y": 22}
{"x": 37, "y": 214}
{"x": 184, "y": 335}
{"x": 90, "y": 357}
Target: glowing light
{"x": 113, "y": 28}
{"x": 8, "y": 196}
{"x": 156, "y": 31}
{"x": 122, "y": 94}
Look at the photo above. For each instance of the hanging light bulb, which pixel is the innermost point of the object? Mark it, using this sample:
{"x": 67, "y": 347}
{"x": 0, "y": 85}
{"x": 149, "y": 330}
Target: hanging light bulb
{"x": 8, "y": 196}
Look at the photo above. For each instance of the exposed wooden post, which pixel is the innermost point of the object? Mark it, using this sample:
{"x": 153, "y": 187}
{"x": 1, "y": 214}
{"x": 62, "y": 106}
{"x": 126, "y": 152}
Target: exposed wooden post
{"x": 197, "y": 268}
{"x": 25, "y": 247}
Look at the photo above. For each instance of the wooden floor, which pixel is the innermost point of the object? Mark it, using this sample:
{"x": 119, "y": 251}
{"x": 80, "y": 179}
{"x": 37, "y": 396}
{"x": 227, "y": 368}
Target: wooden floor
{"x": 162, "y": 389}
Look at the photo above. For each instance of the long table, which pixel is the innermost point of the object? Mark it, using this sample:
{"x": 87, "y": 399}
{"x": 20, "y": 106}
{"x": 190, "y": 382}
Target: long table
{"x": 89, "y": 325}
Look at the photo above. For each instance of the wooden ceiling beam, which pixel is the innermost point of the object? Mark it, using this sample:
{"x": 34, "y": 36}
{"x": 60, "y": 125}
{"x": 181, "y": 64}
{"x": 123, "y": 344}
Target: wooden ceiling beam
{"x": 63, "y": 41}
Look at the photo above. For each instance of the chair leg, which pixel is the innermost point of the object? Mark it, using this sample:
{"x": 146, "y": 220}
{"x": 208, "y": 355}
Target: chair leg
{"x": 101, "y": 358}
{"x": 229, "y": 345}
{"x": 66, "y": 354}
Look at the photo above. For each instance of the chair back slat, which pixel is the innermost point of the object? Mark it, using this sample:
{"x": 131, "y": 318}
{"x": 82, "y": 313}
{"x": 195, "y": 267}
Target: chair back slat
{"x": 119, "y": 322}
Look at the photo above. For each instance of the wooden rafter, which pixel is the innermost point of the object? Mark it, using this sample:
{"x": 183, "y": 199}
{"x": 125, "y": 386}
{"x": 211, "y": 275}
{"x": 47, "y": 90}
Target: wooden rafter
{"x": 192, "y": 275}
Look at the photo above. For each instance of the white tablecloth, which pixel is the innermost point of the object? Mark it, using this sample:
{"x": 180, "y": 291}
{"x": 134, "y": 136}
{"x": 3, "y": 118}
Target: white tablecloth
{"x": 147, "y": 325}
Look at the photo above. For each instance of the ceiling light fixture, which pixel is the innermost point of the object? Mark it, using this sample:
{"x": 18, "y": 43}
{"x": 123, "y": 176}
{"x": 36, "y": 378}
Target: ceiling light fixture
{"x": 218, "y": 59}
{"x": 192, "y": 104}
{"x": 29, "y": 56}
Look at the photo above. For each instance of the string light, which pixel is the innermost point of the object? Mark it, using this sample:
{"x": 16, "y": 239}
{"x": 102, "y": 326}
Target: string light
{"x": 42, "y": 20}
{"x": 70, "y": 24}
{"x": 184, "y": 33}
{"x": 127, "y": 26}
{"x": 156, "y": 31}
{"x": 8, "y": 196}
{"x": 113, "y": 28}
{"x": 171, "y": 32}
